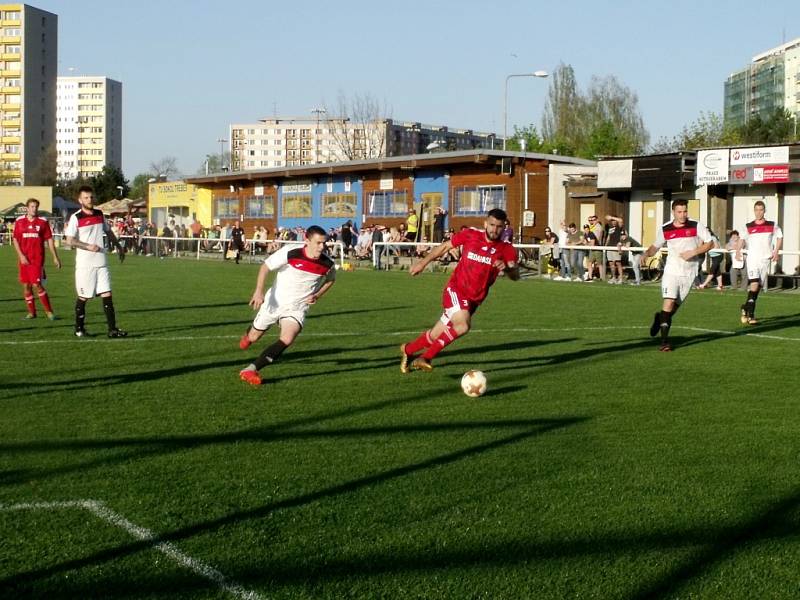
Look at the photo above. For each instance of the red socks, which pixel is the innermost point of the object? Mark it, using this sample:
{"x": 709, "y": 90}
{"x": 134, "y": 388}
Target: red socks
{"x": 448, "y": 336}
{"x": 422, "y": 342}
{"x": 30, "y": 303}
{"x": 45, "y": 300}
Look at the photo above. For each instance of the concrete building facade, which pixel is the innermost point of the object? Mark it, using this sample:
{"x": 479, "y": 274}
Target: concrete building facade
{"x": 298, "y": 141}
{"x": 89, "y": 125}
{"x": 28, "y": 64}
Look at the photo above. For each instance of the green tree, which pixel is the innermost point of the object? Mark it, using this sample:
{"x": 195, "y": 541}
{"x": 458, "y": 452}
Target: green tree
{"x": 778, "y": 127}
{"x": 533, "y": 142}
{"x": 140, "y": 186}
{"x": 611, "y": 119}
{"x": 707, "y": 131}
{"x": 563, "y": 109}
{"x": 214, "y": 163}
{"x": 107, "y": 184}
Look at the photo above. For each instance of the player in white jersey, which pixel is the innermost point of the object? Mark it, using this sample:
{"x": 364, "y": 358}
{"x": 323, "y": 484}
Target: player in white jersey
{"x": 303, "y": 275}
{"x": 84, "y": 232}
{"x": 686, "y": 242}
{"x": 764, "y": 240}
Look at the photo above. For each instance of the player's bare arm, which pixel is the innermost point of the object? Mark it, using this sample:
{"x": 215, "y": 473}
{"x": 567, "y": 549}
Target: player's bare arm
{"x": 258, "y": 295}
{"x": 23, "y": 260}
{"x": 76, "y": 243}
{"x": 701, "y": 249}
{"x": 434, "y": 254}
{"x": 648, "y": 253}
{"x": 312, "y": 299}
{"x": 777, "y": 251}
{"x": 52, "y": 246}
{"x": 616, "y": 218}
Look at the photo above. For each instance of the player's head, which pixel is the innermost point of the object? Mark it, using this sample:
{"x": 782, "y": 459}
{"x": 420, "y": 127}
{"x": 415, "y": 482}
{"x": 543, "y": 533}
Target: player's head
{"x": 86, "y": 196}
{"x": 315, "y": 241}
{"x": 680, "y": 210}
{"x": 759, "y": 208}
{"x": 32, "y": 207}
{"x": 495, "y": 223}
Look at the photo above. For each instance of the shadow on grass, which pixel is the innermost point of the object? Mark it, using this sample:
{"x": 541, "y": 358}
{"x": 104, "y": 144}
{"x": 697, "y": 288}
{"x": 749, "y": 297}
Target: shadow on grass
{"x": 532, "y": 428}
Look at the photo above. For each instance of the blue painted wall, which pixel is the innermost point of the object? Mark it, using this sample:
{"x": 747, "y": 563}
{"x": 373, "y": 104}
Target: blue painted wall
{"x": 317, "y": 190}
{"x": 432, "y": 182}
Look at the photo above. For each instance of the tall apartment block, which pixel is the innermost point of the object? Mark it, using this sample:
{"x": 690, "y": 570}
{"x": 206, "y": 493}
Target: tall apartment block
{"x": 28, "y": 63}
{"x": 89, "y": 125}
{"x": 291, "y": 141}
{"x": 772, "y": 80}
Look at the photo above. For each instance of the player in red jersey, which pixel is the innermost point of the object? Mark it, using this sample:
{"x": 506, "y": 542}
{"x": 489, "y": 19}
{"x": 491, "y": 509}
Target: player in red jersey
{"x": 483, "y": 257}
{"x": 30, "y": 234}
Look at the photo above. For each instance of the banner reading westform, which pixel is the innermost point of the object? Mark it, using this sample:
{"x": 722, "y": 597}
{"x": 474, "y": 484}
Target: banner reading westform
{"x": 769, "y": 155}
{"x": 711, "y": 167}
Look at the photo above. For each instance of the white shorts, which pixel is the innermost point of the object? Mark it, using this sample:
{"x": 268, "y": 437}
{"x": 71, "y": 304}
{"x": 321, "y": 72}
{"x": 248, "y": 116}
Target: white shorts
{"x": 269, "y": 315}
{"x": 676, "y": 287}
{"x": 758, "y": 271}
{"x": 92, "y": 281}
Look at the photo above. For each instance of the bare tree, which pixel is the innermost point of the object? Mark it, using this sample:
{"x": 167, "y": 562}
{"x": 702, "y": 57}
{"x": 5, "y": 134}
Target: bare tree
{"x": 610, "y": 103}
{"x": 166, "y": 167}
{"x": 359, "y": 127}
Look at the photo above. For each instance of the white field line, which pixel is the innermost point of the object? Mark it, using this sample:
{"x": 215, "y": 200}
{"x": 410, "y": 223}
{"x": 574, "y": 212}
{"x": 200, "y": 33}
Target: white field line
{"x": 100, "y": 510}
{"x": 101, "y": 339}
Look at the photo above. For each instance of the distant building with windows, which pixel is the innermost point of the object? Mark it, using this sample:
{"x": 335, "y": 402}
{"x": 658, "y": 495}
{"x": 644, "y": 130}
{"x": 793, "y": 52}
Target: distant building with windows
{"x": 88, "y": 125}
{"x": 771, "y": 81}
{"x": 28, "y": 63}
{"x": 297, "y": 141}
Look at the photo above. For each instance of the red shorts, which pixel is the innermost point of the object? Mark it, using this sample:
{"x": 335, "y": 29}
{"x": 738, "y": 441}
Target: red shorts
{"x": 33, "y": 274}
{"x": 452, "y": 302}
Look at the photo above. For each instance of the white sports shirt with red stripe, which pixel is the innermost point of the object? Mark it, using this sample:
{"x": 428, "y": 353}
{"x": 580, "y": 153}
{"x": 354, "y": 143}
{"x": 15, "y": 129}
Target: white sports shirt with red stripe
{"x": 297, "y": 275}
{"x": 88, "y": 227}
{"x": 760, "y": 238}
{"x": 678, "y": 239}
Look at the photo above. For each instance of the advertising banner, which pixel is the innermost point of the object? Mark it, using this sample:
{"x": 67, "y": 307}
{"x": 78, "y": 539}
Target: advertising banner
{"x": 712, "y": 167}
{"x": 760, "y": 174}
{"x": 770, "y": 155}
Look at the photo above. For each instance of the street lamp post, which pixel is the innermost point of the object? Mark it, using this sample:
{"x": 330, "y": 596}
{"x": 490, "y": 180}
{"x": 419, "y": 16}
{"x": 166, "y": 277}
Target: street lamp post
{"x": 222, "y": 153}
{"x": 541, "y": 74}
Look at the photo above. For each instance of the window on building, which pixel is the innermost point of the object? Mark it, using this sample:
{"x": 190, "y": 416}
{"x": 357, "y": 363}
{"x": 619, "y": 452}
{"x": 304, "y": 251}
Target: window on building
{"x": 388, "y": 204}
{"x": 339, "y": 205}
{"x": 260, "y": 207}
{"x": 479, "y": 200}
{"x": 11, "y": 31}
{"x": 226, "y": 207}
{"x": 12, "y": 49}
{"x": 297, "y": 206}
{"x": 11, "y": 15}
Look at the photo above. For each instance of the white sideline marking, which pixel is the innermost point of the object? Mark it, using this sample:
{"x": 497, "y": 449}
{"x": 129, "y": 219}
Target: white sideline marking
{"x": 100, "y": 510}
{"x": 101, "y": 339}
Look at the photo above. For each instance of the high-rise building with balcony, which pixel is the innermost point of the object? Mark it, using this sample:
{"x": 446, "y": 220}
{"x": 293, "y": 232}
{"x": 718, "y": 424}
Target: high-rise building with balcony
{"x": 89, "y": 125}
{"x": 28, "y": 63}
{"x": 771, "y": 81}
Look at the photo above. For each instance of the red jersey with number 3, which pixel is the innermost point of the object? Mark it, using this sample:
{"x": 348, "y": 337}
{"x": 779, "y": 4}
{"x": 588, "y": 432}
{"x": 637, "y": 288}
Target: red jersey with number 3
{"x": 475, "y": 272}
{"x": 31, "y": 236}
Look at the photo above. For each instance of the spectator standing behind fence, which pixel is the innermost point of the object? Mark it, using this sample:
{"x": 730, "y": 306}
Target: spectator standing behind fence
{"x": 634, "y": 257}
{"x": 346, "y": 237}
{"x": 737, "y": 273}
{"x": 439, "y": 215}
{"x": 237, "y": 241}
{"x": 377, "y": 238}
{"x": 576, "y": 254}
{"x": 596, "y": 259}
{"x": 412, "y": 226}
{"x": 548, "y": 255}
{"x": 716, "y": 256}
{"x": 614, "y": 238}
{"x": 589, "y": 239}
{"x": 508, "y": 233}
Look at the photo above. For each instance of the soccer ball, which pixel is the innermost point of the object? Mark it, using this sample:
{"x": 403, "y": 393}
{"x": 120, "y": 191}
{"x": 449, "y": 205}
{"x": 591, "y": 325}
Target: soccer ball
{"x": 474, "y": 383}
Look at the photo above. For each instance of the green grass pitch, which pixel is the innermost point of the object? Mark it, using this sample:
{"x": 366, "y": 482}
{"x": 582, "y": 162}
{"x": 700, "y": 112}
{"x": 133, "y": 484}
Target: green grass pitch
{"x": 594, "y": 467}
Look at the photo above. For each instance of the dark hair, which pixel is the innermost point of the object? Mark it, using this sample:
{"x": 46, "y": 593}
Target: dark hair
{"x": 315, "y": 230}
{"x": 734, "y": 232}
{"x": 498, "y": 213}
{"x": 85, "y": 188}
{"x": 680, "y": 202}
{"x": 760, "y": 203}
{"x": 573, "y": 225}
{"x": 31, "y": 200}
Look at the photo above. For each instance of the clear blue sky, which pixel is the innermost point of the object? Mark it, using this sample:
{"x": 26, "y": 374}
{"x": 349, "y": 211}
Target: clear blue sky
{"x": 190, "y": 68}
